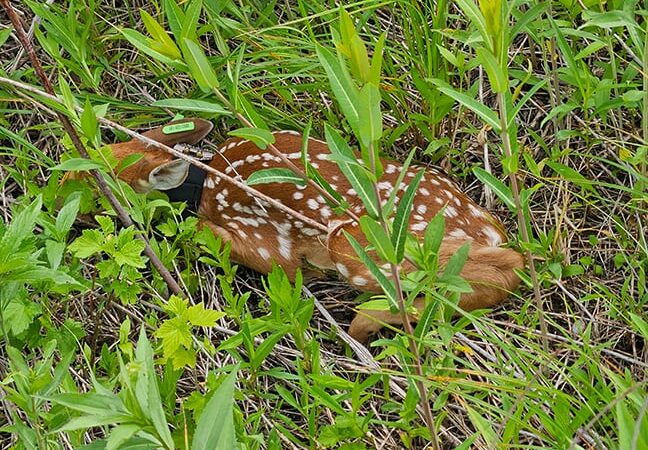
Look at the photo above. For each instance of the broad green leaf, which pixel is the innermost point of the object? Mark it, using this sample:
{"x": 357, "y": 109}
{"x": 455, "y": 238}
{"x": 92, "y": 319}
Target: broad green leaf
{"x": 457, "y": 260}
{"x": 401, "y": 221}
{"x": 471, "y": 10}
{"x": 199, "y": 66}
{"x": 496, "y": 75}
{"x": 484, "y": 427}
{"x": 378, "y": 238}
{"x": 199, "y": 316}
{"x": 67, "y": 215}
{"x": 261, "y": 138}
{"x": 175, "y": 333}
{"x": 345, "y": 91}
{"x": 500, "y": 189}
{"x": 434, "y": 236}
{"x": 187, "y": 104}
{"x": 89, "y": 125}
{"x": 276, "y": 175}
{"x": 485, "y": 113}
{"x": 120, "y": 434}
{"x": 147, "y": 391}
{"x": 78, "y": 164}
{"x": 355, "y": 174}
{"x": 20, "y": 228}
{"x": 215, "y": 428}
{"x": 370, "y": 115}
{"x": 353, "y": 47}
{"x": 386, "y": 284}
{"x": 90, "y": 403}
{"x": 131, "y": 254}
{"x": 142, "y": 43}
{"x": 165, "y": 44}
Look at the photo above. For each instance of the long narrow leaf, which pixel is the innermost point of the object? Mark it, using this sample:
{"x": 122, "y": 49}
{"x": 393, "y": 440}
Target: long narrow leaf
{"x": 401, "y": 221}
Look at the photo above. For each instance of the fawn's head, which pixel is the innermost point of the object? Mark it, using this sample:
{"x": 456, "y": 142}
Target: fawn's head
{"x": 158, "y": 169}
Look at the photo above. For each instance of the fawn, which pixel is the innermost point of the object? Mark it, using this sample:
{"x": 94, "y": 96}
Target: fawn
{"x": 261, "y": 234}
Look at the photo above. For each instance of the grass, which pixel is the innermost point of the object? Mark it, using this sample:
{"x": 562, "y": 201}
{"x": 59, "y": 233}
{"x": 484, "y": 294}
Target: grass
{"x": 76, "y": 293}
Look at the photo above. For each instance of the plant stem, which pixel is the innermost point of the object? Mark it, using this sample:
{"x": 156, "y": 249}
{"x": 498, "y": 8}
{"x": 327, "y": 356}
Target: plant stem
{"x": 506, "y": 146}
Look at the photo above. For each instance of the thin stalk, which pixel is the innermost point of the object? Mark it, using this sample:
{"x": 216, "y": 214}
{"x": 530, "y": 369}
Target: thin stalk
{"x": 515, "y": 190}
{"x": 76, "y": 141}
{"x": 407, "y": 325}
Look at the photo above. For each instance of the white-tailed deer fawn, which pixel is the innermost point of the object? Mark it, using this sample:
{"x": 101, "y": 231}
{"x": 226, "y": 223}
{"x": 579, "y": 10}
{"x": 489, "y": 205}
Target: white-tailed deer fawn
{"x": 260, "y": 233}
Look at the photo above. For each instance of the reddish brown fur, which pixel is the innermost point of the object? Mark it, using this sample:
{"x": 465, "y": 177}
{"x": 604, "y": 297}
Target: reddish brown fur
{"x": 260, "y": 234}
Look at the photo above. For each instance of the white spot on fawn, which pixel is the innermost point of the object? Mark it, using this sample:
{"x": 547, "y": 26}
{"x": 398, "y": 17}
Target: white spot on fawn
{"x": 312, "y": 204}
{"x": 450, "y": 211}
{"x": 285, "y": 246}
{"x": 342, "y": 269}
{"x": 492, "y": 235}
{"x": 458, "y": 233}
{"x": 263, "y": 253}
{"x": 421, "y": 209}
{"x": 298, "y": 195}
{"x": 424, "y": 191}
{"x": 209, "y": 183}
{"x": 359, "y": 281}
{"x": 476, "y": 212}
{"x": 419, "y": 226}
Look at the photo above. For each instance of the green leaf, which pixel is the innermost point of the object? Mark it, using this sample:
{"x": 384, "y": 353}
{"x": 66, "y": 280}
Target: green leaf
{"x": 401, "y": 221}
{"x": 147, "y": 391}
{"x": 78, "y": 164}
{"x": 500, "y": 189}
{"x": 345, "y": 91}
{"x": 386, "y": 284}
{"x": 376, "y": 61}
{"x": 199, "y": 66}
{"x": 572, "y": 175}
{"x": 165, "y": 44}
{"x": 276, "y": 175}
{"x": 131, "y": 254}
{"x": 175, "y": 333}
{"x": 457, "y": 260}
{"x": 199, "y": 316}
{"x": 20, "y": 228}
{"x": 496, "y": 75}
{"x": 370, "y": 115}
{"x": 485, "y": 113}
{"x": 377, "y": 237}
{"x": 187, "y": 104}
{"x": 89, "y": 125}
{"x": 120, "y": 434}
{"x": 434, "y": 236}
{"x": 67, "y": 215}
{"x": 144, "y": 44}
{"x": 215, "y": 427}
{"x": 355, "y": 174}
{"x": 261, "y": 138}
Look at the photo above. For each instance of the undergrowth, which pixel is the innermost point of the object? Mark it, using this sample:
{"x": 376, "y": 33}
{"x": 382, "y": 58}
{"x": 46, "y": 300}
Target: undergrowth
{"x": 538, "y": 109}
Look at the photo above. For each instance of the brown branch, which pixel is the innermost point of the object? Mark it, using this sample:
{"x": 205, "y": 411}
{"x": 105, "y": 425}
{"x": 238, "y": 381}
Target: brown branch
{"x": 76, "y": 141}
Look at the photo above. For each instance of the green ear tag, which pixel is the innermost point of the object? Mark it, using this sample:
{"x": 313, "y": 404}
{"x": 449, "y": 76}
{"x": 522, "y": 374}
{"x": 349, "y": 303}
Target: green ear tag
{"x": 178, "y": 128}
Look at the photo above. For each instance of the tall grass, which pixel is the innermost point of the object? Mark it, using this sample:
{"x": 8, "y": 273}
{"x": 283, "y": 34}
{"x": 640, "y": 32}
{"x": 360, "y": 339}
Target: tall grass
{"x": 552, "y": 93}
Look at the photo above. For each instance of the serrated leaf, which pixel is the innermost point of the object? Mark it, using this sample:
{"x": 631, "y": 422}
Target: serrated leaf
{"x": 131, "y": 254}
{"x": 89, "y": 243}
{"x": 187, "y": 104}
{"x": 275, "y": 175}
{"x": 174, "y": 333}
{"x": 199, "y": 316}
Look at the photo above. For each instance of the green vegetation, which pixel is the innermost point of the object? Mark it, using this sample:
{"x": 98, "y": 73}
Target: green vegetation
{"x": 539, "y": 109}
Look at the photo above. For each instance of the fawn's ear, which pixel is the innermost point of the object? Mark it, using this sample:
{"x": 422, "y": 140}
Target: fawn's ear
{"x": 183, "y": 131}
{"x": 169, "y": 175}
